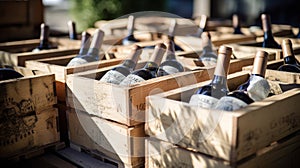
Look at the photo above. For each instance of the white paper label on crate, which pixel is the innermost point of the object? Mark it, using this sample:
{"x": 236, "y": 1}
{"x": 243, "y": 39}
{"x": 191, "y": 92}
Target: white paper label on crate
{"x": 131, "y": 79}
{"x": 229, "y": 103}
{"x": 170, "y": 69}
{"x": 113, "y": 76}
{"x": 258, "y": 88}
{"x": 203, "y": 101}
{"x": 77, "y": 61}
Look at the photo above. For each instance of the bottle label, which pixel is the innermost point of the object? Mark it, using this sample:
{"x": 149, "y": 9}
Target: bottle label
{"x": 113, "y": 76}
{"x": 131, "y": 79}
{"x": 170, "y": 69}
{"x": 203, "y": 101}
{"x": 275, "y": 87}
{"x": 228, "y": 103}
{"x": 258, "y": 88}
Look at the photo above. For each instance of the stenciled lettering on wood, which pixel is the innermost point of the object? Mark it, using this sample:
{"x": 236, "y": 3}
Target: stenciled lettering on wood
{"x": 17, "y": 120}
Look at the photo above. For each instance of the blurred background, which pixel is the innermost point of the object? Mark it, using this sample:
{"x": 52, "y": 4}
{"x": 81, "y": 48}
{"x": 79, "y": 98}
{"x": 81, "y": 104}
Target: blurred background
{"x": 85, "y": 13}
{"x": 88, "y": 11}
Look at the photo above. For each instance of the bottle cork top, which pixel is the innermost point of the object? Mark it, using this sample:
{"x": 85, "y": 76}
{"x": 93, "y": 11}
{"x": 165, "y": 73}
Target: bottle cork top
{"x": 266, "y": 22}
{"x": 97, "y": 39}
{"x": 172, "y": 27}
{"x": 260, "y": 63}
{"x": 130, "y": 24}
{"x": 203, "y": 22}
{"x": 72, "y": 29}
{"x": 224, "y": 55}
{"x": 235, "y": 21}
{"x": 287, "y": 48}
{"x": 44, "y": 32}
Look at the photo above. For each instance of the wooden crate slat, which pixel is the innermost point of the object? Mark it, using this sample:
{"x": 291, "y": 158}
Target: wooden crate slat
{"x": 164, "y": 154}
{"x": 113, "y": 140}
{"x": 34, "y": 92}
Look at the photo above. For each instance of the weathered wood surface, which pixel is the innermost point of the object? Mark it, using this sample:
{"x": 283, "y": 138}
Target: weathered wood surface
{"x": 228, "y": 135}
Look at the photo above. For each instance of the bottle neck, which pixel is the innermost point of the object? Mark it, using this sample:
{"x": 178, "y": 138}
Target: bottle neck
{"x": 268, "y": 35}
{"x": 220, "y": 80}
{"x": 290, "y": 60}
{"x": 129, "y": 64}
{"x": 150, "y": 65}
{"x": 44, "y": 36}
{"x": 96, "y": 44}
{"x": 72, "y": 30}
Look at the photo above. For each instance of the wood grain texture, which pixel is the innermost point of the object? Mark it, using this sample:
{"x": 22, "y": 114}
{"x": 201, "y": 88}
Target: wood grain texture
{"x": 99, "y": 136}
{"x": 228, "y": 135}
{"x": 280, "y": 154}
{"x": 32, "y": 131}
{"x": 58, "y": 66}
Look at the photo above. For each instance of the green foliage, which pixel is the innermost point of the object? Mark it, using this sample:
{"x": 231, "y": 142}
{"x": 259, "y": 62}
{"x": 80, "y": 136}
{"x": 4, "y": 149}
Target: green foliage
{"x": 87, "y": 12}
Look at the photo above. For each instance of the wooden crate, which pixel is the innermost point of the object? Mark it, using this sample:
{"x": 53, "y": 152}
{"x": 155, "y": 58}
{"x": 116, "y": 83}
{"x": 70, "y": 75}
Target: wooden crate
{"x": 58, "y": 66}
{"x": 105, "y": 139}
{"x": 231, "y": 136}
{"x": 28, "y": 119}
{"x": 284, "y": 153}
{"x": 126, "y": 105}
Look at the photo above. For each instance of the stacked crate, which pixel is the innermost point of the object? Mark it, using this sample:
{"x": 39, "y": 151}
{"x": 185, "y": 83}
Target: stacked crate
{"x": 29, "y": 122}
{"x": 107, "y": 120}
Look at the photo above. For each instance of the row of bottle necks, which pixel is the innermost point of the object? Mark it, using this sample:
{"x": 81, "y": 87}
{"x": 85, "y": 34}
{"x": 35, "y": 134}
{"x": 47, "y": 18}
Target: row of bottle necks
{"x": 269, "y": 41}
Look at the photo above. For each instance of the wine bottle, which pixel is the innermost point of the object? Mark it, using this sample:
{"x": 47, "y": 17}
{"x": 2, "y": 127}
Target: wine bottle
{"x": 208, "y": 95}
{"x": 255, "y": 89}
{"x": 171, "y": 34}
{"x": 269, "y": 41}
{"x": 208, "y": 57}
{"x": 119, "y": 73}
{"x": 201, "y": 26}
{"x": 149, "y": 71}
{"x": 170, "y": 65}
{"x": 290, "y": 62}
{"x": 7, "y": 73}
{"x": 44, "y": 39}
{"x": 130, "y": 39}
{"x": 92, "y": 53}
{"x": 85, "y": 43}
{"x": 72, "y": 30}
{"x": 236, "y": 24}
